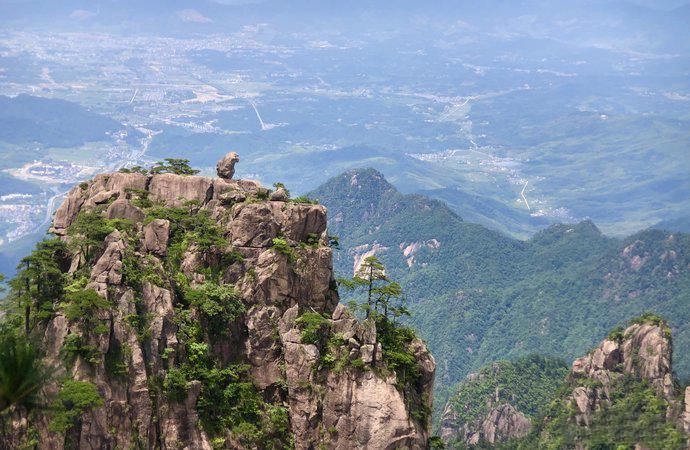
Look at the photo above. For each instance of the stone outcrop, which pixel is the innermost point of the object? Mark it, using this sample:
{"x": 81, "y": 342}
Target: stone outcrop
{"x": 501, "y": 423}
{"x": 156, "y": 236}
{"x": 226, "y": 166}
{"x": 123, "y": 209}
{"x": 356, "y": 406}
{"x": 176, "y": 190}
{"x": 642, "y": 350}
{"x": 631, "y": 366}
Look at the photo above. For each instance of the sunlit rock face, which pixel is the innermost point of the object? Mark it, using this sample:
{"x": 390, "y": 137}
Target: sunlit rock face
{"x": 350, "y": 408}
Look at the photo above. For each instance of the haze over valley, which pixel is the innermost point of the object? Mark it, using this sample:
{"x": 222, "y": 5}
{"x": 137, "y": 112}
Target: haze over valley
{"x": 516, "y": 120}
{"x": 252, "y": 224}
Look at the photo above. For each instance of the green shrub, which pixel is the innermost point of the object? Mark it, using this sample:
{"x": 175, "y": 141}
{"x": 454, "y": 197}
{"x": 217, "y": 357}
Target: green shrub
{"x": 281, "y": 246}
{"x": 436, "y": 443}
{"x": 649, "y": 319}
{"x": 88, "y": 231}
{"x": 74, "y": 346}
{"x": 312, "y": 240}
{"x": 304, "y": 199}
{"x": 134, "y": 169}
{"x": 22, "y": 373}
{"x": 178, "y": 166}
{"x": 175, "y": 385}
{"x": 74, "y": 399}
{"x": 281, "y": 186}
{"x": 311, "y": 325}
{"x": 82, "y": 304}
{"x": 218, "y": 303}
{"x": 616, "y": 334}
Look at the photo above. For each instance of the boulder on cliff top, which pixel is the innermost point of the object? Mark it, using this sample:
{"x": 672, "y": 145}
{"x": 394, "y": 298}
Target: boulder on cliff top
{"x": 226, "y": 166}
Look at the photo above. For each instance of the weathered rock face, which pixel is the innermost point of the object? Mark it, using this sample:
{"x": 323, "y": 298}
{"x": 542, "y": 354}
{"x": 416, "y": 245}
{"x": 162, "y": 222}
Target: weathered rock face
{"x": 156, "y": 236}
{"x": 501, "y": 423}
{"x": 643, "y": 350}
{"x": 176, "y": 190}
{"x": 352, "y": 407}
{"x": 226, "y": 166}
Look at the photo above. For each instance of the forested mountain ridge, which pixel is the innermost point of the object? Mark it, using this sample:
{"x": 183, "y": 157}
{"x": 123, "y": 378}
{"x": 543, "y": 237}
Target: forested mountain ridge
{"x": 478, "y": 296}
{"x": 172, "y": 310}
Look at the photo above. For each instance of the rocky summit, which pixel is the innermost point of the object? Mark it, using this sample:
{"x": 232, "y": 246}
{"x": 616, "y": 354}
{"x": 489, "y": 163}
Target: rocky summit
{"x": 622, "y": 392}
{"x": 203, "y": 313}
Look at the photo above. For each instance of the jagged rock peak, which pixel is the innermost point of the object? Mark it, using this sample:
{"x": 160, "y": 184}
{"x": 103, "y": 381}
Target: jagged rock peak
{"x": 215, "y": 288}
{"x": 623, "y": 389}
{"x": 226, "y": 166}
{"x": 642, "y": 350}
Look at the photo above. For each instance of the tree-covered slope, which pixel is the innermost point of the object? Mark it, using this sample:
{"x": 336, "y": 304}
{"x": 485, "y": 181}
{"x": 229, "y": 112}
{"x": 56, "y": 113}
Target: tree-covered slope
{"x": 479, "y": 296}
{"x": 501, "y": 400}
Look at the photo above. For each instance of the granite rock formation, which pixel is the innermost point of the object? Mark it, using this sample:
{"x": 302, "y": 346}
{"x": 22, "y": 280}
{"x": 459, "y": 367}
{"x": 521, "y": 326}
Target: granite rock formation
{"x": 272, "y": 254}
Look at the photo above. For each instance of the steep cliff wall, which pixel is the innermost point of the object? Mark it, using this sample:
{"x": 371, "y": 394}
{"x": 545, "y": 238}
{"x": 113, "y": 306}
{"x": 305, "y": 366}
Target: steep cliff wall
{"x": 216, "y": 324}
{"x": 623, "y": 393}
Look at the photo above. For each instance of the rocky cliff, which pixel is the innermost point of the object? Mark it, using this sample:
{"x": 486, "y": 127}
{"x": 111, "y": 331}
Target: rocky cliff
{"x": 623, "y": 393}
{"x": 215, "y": 324}
{"x": 642, "y": 350}
{"x": 501, "y": 422}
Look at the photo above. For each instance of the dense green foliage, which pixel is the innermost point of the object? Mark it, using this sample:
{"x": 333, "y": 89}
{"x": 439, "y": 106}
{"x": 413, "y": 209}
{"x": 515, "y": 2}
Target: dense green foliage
{"x": 218, "y": 303}
{"x": 528, "y": 383}
{"x": 74, "y": 399}
{"x": 478, "y": 296}
{"x": 22, "y": 374}
{"x": 281, "y": 246}
{"x": 178, "y": 166}
{"x": 312, "y": 326}
{"x": 635, "y": 415}
{"x": 88, "y": 232}
{"x": 38, "y": 284}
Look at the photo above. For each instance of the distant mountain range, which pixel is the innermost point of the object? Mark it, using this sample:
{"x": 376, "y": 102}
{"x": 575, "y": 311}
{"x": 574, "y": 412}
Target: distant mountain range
{"x": 641, "y": 23}
{"x": 477, "y": 295}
